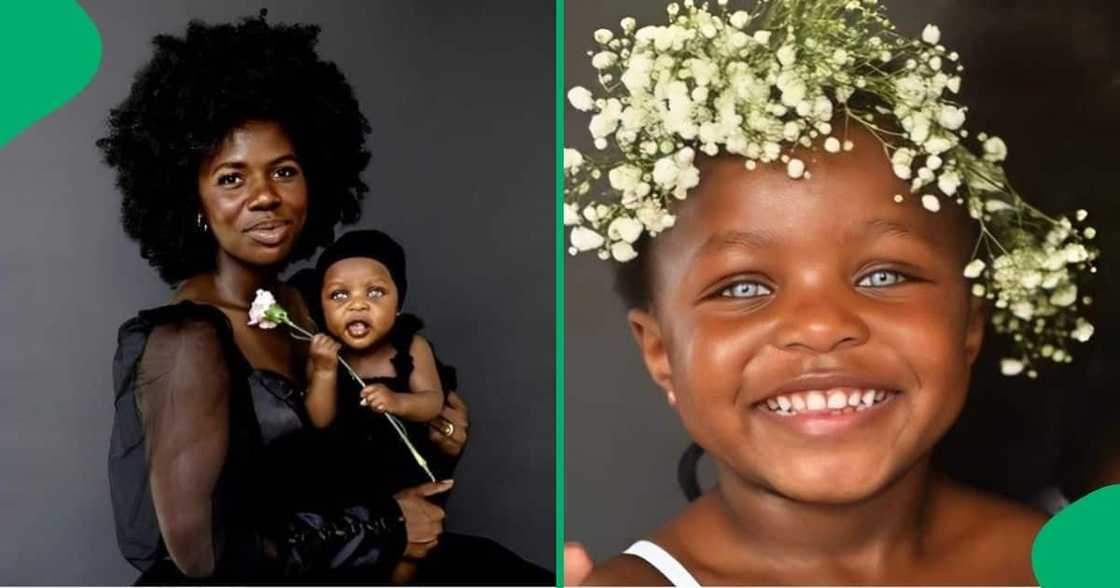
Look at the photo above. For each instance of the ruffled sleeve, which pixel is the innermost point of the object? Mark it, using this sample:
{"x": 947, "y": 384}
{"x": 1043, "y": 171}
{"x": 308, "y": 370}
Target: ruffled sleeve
{"x": 183, "y": 438}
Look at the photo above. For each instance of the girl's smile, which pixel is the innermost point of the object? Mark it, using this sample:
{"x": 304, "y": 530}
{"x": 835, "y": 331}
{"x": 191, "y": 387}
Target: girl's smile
{"x": 814, "y": 335}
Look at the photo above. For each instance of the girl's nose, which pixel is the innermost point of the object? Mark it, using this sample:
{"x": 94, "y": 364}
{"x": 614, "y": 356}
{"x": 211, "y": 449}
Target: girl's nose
{"x": 820, "y": 322}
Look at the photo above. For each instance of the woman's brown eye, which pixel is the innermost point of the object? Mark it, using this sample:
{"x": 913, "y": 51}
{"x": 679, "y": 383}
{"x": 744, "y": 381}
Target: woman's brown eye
{"x": 287, "y": 172}
{"x": 228, "y": 179}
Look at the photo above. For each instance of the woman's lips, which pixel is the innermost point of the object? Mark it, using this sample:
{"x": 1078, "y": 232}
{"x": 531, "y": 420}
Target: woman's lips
{"x": 269, "y": 233}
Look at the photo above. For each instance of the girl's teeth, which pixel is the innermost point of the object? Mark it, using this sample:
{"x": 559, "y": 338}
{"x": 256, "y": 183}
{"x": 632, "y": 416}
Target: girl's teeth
{"x": 836, "y": 402}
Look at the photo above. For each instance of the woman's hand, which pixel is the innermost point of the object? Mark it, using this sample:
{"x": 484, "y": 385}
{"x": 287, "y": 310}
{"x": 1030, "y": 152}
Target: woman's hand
{"x": 324, "y": 354}
{"x": 449, "y": 430}
{"x": 423, "y": 521}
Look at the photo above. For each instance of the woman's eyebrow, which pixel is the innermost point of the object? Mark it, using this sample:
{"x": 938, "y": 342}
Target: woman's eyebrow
{"x": 286, "y": 157}
{"x": 238, "y": 164}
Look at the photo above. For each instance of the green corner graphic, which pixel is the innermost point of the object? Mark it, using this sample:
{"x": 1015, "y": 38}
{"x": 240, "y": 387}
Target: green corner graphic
{"x": 49, "y": 51}
{"x": 1079, "y": 546}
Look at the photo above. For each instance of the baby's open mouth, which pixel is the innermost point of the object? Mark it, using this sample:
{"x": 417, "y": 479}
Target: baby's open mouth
{"x": 357, "y": 328}
{"x": 834, "y": 401}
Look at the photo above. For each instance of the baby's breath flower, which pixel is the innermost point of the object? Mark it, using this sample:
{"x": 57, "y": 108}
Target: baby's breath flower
{"x": 581, "y": 99}
{"x": 571, "y": 216}
{"x": 1083, "y": 331}
{"x": 995, "y": 149}
{"x": 795, "y": 168}
{"x": 707, "y": 82}
{"x": 584, "y": 239}
{"x": 1011, "y": 367}
{"x": 931, "y": 34}
{"x": 974, "y": 268}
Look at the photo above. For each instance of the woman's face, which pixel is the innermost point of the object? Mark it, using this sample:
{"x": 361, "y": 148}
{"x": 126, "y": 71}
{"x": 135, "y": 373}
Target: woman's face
{"x": 814, "y": 335}
{"x": 359, "y": 301}
{"x": 254, "y": 194}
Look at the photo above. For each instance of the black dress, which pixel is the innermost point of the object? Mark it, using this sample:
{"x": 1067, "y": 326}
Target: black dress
{"x": 222, "y": 454}
{"x": 367, "y": 445}
{"x": 375, "y": 461}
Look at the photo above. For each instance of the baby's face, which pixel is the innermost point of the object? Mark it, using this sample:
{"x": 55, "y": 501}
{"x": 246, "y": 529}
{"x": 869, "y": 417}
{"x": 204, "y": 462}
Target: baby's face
{"x": 814, "y": 335}
{"x": 359, "y": 301}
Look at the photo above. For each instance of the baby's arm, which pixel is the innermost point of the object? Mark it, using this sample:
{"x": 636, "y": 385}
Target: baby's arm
{"x": 425, "y": 398}
{"x": 322, "y": 375}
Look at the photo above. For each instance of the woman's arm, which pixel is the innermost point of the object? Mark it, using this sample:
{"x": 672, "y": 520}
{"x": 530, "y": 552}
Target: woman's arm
{"x": 183, "y": 386}
{"x": 183, "y": 400}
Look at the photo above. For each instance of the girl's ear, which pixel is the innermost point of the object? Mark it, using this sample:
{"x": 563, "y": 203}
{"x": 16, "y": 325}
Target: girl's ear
{"x": 974, "y": 330}
{"x": 651, "y": 342}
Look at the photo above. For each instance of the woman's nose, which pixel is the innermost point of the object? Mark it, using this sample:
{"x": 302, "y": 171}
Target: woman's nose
{"x": 820, "y": 320}
{"x": 264, "y": 196}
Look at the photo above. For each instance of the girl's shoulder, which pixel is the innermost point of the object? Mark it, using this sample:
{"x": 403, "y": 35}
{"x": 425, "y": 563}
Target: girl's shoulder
{"x": 987, "y": 533}
{"x": 625, "y": 570}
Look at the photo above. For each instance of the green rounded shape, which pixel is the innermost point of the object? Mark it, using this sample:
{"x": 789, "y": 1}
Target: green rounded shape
{"x": 1080, "y": 546}
{"x": 49, "y": 52}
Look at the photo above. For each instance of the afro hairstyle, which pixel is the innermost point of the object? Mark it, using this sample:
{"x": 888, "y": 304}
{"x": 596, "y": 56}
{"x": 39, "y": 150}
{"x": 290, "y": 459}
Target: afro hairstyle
{"x": 186, "y": 100}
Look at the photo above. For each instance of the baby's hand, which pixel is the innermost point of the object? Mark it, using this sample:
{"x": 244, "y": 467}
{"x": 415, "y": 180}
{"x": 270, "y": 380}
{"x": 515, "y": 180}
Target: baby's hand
{"x": 324, "y": 354}
{"x": 380, "y": 398}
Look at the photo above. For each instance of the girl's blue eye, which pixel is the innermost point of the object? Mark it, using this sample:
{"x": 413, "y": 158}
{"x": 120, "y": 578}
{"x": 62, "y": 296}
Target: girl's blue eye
{"x": 338, "y": 295}
{"x": 745, "y": 290}
{"x": 881, "y": 279}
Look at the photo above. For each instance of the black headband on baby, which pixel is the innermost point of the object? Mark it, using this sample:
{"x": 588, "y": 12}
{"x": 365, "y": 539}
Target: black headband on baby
{"x": 372, "y": 244}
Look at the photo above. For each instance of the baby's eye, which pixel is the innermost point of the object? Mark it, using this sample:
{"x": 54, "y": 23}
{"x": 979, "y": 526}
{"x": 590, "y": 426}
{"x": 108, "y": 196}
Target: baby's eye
{"x": 745, "y": 290}
{"x": 229, "y": 179}
{"x": 375, "y": 293}
{"x": 338, "y": 295}
{"x": 880, "y": 279}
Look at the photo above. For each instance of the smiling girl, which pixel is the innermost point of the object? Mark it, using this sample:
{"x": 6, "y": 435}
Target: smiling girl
{"x": 810, "y": 255}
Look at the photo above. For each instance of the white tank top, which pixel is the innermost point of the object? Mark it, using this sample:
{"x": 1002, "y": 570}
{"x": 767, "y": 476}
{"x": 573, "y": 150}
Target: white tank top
{"x": 661, "y": 561}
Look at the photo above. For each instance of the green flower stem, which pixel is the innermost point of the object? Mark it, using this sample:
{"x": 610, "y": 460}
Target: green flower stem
{"x": 397, "y": 426}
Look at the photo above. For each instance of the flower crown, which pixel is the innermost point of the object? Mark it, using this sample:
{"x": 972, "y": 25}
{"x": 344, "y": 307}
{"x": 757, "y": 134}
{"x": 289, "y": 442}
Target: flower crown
{"x": 760, "y": 83}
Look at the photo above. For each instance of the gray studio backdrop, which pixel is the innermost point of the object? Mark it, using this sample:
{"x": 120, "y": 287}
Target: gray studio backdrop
{"x": 460, "y": 98}
{"x": 1043, "y": 76}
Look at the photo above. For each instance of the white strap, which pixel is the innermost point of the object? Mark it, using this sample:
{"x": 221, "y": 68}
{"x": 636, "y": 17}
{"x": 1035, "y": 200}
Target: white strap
{"x": 660, "y": 559}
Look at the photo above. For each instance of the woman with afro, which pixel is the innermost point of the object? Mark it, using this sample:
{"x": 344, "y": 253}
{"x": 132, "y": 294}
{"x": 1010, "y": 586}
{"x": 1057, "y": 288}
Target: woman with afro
{"x": 237, "y": 151}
